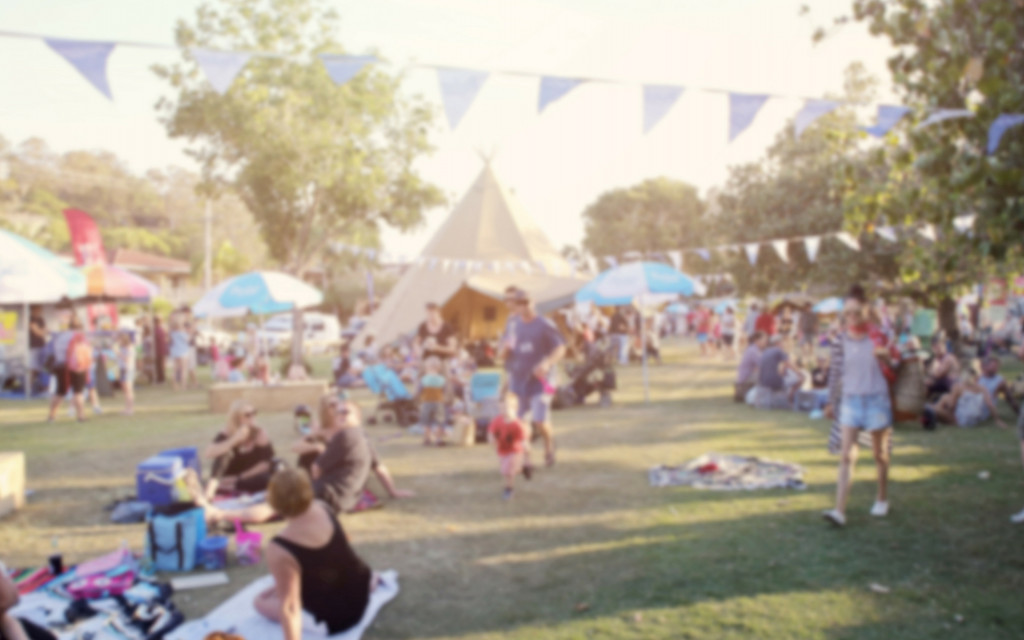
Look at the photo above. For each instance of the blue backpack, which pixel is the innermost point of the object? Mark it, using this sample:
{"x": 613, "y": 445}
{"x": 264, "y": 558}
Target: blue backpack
{"x": 173, "y": 536}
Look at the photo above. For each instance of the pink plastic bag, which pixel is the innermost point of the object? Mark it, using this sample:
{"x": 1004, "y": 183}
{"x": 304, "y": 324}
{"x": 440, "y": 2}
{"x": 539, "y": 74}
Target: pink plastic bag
{"x": 247, "y": 545}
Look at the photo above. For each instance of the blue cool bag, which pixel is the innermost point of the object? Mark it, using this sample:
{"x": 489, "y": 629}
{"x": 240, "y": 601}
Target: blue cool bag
{"x": 173, "y": 535}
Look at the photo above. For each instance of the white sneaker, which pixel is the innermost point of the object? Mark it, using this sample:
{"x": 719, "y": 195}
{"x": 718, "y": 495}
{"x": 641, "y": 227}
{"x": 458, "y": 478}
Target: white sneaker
{"x": 834, "y": 517}
{"x": 1017, "y": 518}
{"x": 880, "y": 510}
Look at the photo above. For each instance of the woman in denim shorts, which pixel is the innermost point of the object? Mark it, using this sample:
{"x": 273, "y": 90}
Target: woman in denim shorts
{"x": 859, "y": 394}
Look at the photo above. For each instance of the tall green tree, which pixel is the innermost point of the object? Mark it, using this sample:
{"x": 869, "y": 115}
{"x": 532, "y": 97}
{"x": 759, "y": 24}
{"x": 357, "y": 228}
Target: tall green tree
{"x": 656, "y": 215}
{"x": 311, "y": 160}
{"x": 797, "y": 190}
{"x": 950, "y": 54}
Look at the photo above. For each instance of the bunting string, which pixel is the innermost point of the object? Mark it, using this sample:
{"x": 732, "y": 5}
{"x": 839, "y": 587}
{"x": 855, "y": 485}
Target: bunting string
{"x": 460, "y": 87}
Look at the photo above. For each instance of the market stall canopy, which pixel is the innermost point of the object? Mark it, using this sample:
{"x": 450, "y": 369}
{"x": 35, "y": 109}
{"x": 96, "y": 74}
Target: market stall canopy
{"x": 489, "y": 228}
{"x": 107, "y": 282}
{"x": 30, "y": 274}
{"x": 259, "y": 293}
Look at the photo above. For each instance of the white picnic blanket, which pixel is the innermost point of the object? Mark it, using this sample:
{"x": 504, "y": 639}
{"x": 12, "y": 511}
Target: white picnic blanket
{"x": 725, "y": 472}
{"x": 237, "y": 615}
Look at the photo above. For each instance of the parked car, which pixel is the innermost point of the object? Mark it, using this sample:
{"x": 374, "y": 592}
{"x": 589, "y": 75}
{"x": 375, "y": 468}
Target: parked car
{"x": 320, "y": 332}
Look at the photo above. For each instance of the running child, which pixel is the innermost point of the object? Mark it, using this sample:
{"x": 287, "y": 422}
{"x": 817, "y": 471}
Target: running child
{"x": 509, "y": 436}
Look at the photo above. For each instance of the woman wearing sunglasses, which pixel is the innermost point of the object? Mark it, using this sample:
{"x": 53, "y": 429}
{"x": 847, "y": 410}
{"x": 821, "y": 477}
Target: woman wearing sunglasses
{"x": 859, "y": 397}
{"x": 242, "y": 454}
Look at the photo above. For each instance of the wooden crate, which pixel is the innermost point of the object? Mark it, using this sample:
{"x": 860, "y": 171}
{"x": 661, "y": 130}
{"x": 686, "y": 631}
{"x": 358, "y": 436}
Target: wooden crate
{"x": 269, "y": 398}
{"x": 12, "y": 481}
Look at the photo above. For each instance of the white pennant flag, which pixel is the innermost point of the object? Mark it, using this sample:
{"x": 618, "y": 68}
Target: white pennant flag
{"x": 677, "y": 258}
{"x": 964, "y": 223}
{"x": 886, "y": 233}
{"x": 432, "y": 264}
{"x": 811, "y": 245}
{"x": 446, "y": 265}
{"x": 527, "y": 267}
{"x": 782, "y": 248}
{"x": 848, "y": 240}
{"x": 752, "y": 250}
{"x": 927, "y": 231}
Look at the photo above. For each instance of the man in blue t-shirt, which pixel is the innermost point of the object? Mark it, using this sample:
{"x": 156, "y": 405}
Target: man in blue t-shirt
{"x": 508, "y": 337}
{"x": 530, "y": 363}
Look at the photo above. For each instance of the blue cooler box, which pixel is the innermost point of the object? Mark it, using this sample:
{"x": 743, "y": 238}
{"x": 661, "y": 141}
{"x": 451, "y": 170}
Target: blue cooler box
{"x": 154, "y": 479}
{"x": 189, "y": 458}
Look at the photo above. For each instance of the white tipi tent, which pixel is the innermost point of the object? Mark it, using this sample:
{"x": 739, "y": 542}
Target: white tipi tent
{"x": 486, "y": 244}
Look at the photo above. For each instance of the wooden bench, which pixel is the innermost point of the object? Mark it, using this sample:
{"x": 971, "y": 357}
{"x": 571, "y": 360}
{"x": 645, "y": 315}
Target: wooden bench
{"x": 283, "y": 396}
{"x": 12, "y": 481}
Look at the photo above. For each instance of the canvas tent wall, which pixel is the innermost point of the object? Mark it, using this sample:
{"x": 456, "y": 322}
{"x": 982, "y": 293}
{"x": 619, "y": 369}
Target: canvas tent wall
{"x": 486, "y": 244}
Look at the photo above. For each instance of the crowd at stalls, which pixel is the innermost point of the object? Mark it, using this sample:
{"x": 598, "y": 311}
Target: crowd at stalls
{"x": 74, "y": 363}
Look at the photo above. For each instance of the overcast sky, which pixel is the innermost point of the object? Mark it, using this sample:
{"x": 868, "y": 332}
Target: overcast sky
{"x": 556, "y": 162}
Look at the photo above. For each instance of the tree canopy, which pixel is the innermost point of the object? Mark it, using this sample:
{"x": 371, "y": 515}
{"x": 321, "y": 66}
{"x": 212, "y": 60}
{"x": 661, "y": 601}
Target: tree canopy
{"x": 951, "y": 54}
{"x": 656, "y": 215}
{"x": 312, "y": 161}
{"x": 158, "y": 212}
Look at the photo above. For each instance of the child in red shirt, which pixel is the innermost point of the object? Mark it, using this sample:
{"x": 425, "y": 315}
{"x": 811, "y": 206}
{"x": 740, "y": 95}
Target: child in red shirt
{"x": 508, "y": 434}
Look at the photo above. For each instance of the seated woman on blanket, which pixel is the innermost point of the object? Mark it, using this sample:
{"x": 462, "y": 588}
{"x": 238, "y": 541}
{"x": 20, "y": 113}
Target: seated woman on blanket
{"x": 340, "y": 460}
{"x": 322, "y": 452}
{"x": 314, "y": 568}
{"x": 242, "y": 455}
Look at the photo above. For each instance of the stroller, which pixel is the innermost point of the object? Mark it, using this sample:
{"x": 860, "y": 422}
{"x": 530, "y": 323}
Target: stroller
{"x": 596, "y": 373}
{"x": 394, "y": 403}
{"x": 484, "y": 404}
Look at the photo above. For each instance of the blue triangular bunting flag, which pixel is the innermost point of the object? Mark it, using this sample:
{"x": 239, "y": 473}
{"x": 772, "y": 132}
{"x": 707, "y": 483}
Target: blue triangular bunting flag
{"x": 704, "y": 253}
{"x": 89, "y": 58}
{"x": 999, "y": 127}
{"x": 458, "y": 90}
{"x": 343, "y": 68}
{"x": 743, "y": 107}
{"x": 221, "y": 67}
{"x": 813, "y": 109}
{"x": 941, "y": 115}
{"x": 553, "y": 88}
{"x": 888, "y": 116}
{"x": 658, "y": 101}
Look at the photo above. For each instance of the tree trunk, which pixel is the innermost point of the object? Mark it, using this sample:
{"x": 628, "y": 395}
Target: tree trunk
{"x": 947, "y": 318}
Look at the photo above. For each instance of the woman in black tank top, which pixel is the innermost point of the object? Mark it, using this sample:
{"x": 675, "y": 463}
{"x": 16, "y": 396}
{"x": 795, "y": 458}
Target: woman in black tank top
{"x": 314, "y": 567}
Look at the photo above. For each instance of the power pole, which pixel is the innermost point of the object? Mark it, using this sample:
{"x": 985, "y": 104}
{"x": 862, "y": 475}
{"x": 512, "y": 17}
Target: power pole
{"x": 208, "y": 257}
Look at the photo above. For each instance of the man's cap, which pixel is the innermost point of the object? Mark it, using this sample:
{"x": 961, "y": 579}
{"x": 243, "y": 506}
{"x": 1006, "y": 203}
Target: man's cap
{"x": 519, "y": 295}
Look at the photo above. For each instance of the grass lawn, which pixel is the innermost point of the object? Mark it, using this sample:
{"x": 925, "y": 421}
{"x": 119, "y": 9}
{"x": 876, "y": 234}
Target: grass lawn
{"x": 588, "y": 549}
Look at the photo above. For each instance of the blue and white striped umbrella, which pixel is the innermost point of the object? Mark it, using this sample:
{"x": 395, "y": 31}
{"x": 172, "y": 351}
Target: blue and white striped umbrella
{"x": 259, "y": 293}
{"x": 624, "y": 284}
{"x": 828, "y": 306}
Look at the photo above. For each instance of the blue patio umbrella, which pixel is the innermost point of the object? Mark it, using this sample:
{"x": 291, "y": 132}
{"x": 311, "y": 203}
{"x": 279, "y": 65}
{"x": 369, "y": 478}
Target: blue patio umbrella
{"x": 624, "y": 284}
{"x": 258, "y": 293}
{"x": 828, "y": 306}
{"x": 629, "y": 283}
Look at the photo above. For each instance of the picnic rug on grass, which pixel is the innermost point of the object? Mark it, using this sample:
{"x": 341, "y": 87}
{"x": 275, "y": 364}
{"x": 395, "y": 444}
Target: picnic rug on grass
{"x": 238, "y": 616}
{"x": 727, "y": 472}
